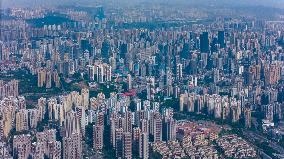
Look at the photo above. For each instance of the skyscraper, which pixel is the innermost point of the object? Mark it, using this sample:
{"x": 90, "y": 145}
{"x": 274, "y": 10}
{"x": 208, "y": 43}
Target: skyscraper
{"x": 127, "y": 145}
{"x": 170, "y": 129}
{"x": 85, "y": 98}
{"x": 247, "y": 117}
{"x": 41, "y": 77}
{"x": 144, "y": 146}
{"x": 105, "y": 50}
{"x": 98, "y": 137}
{"x": 136, "y": 132}
{"x": 204, "y": 42}
{"x": 81, "y": 114}
{"x": 37, "y": 150}
{"x": 118, "y": 142}
{"x": 157, "y": 128}
{"x": 129, "y": 82}
{"x": 72, "y": 146}
{"x": 221, "y": 38}
{"x": 22, "y": 146}
{"x": 22, "y": 120}
{"x": 54, "y": 149}
{"x": 128, "y": 122}
{"x": 48, "y": 79}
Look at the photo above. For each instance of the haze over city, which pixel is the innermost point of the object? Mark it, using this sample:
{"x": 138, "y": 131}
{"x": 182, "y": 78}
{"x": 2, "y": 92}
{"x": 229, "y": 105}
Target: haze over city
{"x": 10, "y": 3}
{"x": 141, "y": 79}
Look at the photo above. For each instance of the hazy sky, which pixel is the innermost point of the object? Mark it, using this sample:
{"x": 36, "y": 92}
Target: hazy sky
{"x": 5, "y": 3}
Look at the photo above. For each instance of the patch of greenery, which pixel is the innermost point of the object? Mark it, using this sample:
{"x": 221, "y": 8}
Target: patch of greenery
{"x": 106, "y": 90}
{"x": 28, "y": 83}
{"x": 49, "y": 20}
{"x": 155, "y": 155}
{"x": 30, "y": 107}
{"x": 171, "y": 103}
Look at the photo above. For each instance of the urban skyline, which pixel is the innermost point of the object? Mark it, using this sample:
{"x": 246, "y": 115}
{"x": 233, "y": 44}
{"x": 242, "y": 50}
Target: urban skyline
{"x": 141, "y": 79}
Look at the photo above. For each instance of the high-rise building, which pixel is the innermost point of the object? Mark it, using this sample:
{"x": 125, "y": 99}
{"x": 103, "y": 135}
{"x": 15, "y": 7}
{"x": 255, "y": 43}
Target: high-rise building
{"x": 5, "y": 54}
{"x": 157, "y": 128}
{"x": 103, "y": 72}
{"x": 48, "y": 79}
{"x": 71, "y": 123}
{"x": 100, "y": 118}
{"x": 22, "y": 120}
{"x": 8, "y": 89}
{"x": 247, "y": 113}
{"x": 22, "y": 146}
{"x": 129, "y": 82}
{"x": 53, "y": 109}
{"x": 7, "y": 118}
{"x": 14, "y": 85}
{"x": 37, "y": 150}
{"x": 181, "y": 102}
{"x": 218, "y": 108}
{"x": 91, "y": 72}
{"x": 136, "y": 140}
{"x": 118, "y": 143}
{"x": 21, "y": 102}
{"x": 1, "y": 129}
{"x": 204, "y": 42}
{"x": 144, "y": 126}
{"x": 199, "y": 103}
{"x": 179, "y": 73}
{"x": 72, "y": 146}
{"x": 235, "y": 109}
{"x": 41, "y": 107}
{"x": 127, "y": 122}
{"x": 1, "y": 51}
{"x": 144, "y": 146}
{"x": 221, "y": 39}
{"x": 113, "y": 131}
{"x": 123, "y": 50}
{"x": 81, "y": 114}
{"x": 105, "y": 50}
{"x": 216, "y": 75}
{"x": 191, "y": 102}
{"x": 33, "y": 118}
{"x": 127, "y": 145}
{"x": 54, "y": 149}
{"x": 46, "y": 137}
{"x": 98, "y": 137}
{"x": 187, "y": 101}
{"x": 41, "y": 77}
{"x": 56, "y": 79}
{"x": 85, "y": 98}
{"x": 169, "y": 129}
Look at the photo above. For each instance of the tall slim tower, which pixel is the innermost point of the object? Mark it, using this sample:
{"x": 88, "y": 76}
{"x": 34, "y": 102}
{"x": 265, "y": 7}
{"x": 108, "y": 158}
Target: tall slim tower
{"x": 118, "y": 142}
{"x": 157, "y": 129}
{"x": 221, "y": 38}
{"x": 247, "y": 112}
{"x": 127, "y": 145}
{"x": 144, "y": 146}
{"x": 98, "y": 137}
{"x": 204, "y": 42}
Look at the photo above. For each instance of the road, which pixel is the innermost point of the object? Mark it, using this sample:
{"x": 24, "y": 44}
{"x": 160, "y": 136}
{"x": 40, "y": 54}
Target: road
{"x": 259, "y": 137}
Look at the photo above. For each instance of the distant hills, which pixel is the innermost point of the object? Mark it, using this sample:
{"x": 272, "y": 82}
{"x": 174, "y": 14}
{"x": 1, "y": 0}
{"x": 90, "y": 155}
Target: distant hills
{"x": 49, "y": 3}
{"x": 27, "y": 3}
